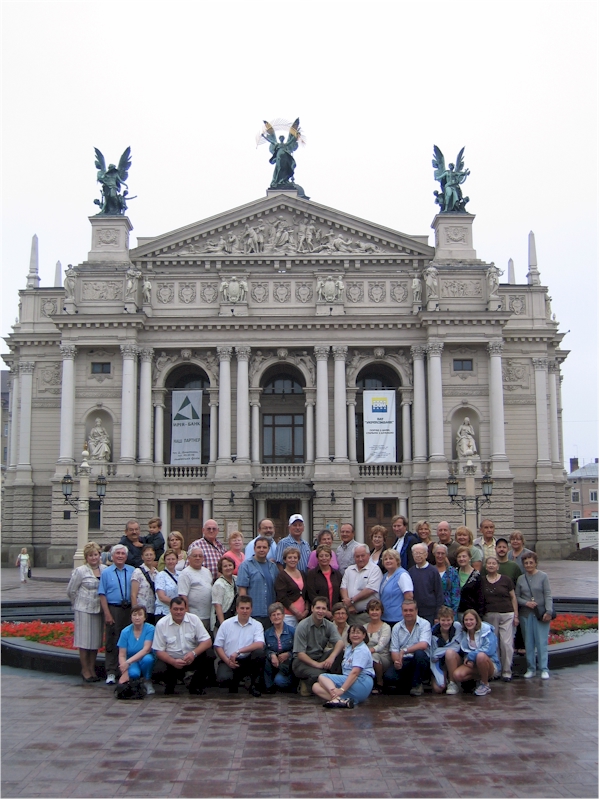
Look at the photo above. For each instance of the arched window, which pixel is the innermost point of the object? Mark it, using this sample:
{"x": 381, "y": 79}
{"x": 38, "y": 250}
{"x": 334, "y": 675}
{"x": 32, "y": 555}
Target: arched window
{"x": 282, "y": 408}
{"x": 375, "y": 377}
{"x": 187, "y": 376}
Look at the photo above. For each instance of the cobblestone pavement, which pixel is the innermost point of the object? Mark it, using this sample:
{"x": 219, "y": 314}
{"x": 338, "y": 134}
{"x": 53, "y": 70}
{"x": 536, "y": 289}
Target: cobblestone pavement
{"x": 525, "y": 739}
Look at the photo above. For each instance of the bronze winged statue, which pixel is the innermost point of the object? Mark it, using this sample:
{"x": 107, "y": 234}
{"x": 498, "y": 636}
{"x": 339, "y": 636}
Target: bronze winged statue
{"x": 281, "y": 154}
{"x": 111, "y": 180}
{"x": 450, "y": 199}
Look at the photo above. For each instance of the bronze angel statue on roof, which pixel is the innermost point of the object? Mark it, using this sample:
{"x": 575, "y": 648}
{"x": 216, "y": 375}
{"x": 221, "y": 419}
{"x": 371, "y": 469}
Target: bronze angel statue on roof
{"x": 281, "y": 153}
{"x": 450, "y": 199}
{"x": 112, "y": 179}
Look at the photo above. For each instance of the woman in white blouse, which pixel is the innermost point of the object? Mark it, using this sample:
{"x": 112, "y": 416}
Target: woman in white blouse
{"x": 89, "y": 622}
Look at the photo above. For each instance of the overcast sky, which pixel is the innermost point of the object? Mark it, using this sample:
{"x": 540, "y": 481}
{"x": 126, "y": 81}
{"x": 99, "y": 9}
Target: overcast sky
{"x": 186, "y": 85}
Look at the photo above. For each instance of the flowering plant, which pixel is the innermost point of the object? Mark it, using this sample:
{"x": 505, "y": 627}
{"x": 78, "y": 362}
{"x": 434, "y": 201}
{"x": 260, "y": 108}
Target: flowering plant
{"x": 58, "y": 634}
{"x": 561, "y": 628}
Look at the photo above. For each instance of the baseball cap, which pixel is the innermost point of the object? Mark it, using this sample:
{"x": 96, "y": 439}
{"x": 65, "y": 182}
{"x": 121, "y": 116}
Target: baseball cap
{"x": 295, "y": 518}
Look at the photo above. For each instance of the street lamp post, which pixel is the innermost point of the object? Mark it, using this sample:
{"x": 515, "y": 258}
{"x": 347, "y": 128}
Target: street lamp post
{"x": 470, "y": 503}
{"x": 81, "y": 504}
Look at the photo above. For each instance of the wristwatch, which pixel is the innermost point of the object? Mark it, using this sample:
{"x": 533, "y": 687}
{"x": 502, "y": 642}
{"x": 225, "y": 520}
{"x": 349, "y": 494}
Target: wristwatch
{"x": 404, "y": 651}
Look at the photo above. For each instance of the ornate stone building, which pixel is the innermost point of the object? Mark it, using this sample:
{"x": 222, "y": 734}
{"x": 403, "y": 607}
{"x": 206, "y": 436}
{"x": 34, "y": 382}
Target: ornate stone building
{"x": 283, "y": 312}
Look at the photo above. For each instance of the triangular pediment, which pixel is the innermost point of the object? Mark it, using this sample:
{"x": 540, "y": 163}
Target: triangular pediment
{"x": 282, "y": 225}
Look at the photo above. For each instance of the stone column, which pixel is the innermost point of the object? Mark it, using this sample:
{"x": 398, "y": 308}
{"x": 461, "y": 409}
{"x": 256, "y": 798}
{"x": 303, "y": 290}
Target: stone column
{"x": 403, "y": 506}
{"x": 305, "y": 511}
{"x": 145, "y": 435}
{"x": 206, "y": 509}
{"x": 322, "y": 355}
{"x": 213, "y": 401}
{"x": 419, "y": 406}
{"x": 163, "y": 513}
{"x": 14, "y": 418}
{"x": 359, "y": 519}
{"x": 26, "y": 380}
{"x": 351, "y": 402}
{"x": 309, "y": 405}
{"x": 261, "y": 510}
{"x": 255, "y": 439}
{"x": 224, "y": 354}
{"x": 496, "y": 401}
{"x": 159, "y": 428}
{"x": 339, "y": 404}
{"x": 407, "y": 398}
{"x": 561, "y": 446}
{"x": 243, "y": 406}
{"x": 436, "y": 405}
{"x": 67, "y": 404}
{"x": 128, "y": 397}
{"x": 540, "y": 366}
{"x": 553, "y": 389}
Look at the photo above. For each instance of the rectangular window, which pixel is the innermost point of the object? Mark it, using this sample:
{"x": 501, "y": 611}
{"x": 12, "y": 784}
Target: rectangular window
{"x": 5, "y": 455}
{"x": 100, "y": 367}
{"x": 593, "y": 496}
{"x": 283, "y": 438}
{"x": 576, "y": 515}
{"x": 594, "y": 515}
{"x": 462, "y": 365}
{"x": 94, "y": 515}
{"x": 575, "y": 496}
{"x": 6, "y": 430}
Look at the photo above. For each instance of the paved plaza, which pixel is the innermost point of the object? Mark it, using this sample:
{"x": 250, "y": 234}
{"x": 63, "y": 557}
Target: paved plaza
{"x": 526, "y": 739}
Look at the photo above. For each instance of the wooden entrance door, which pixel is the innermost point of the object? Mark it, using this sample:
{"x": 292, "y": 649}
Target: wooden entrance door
{"x": 186, "y": 517}
{"x": 280, "y": 511}
{"x": 379, "y": 512}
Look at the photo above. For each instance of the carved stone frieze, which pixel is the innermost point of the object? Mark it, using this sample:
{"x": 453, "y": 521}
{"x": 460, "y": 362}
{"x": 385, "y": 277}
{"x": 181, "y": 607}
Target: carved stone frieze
{"x": 258, "y": 358}
{"x": 515, "y": 375}
{"x": 101, "y": 290}
{"x": 304, "y": 292}
{"x": 187, "y": 292}
{"x": 403, "y": 363}
{"x": 304, "y": 359}
{"x": 282, "y": 291}
{"x": 377, "y": 291}
{"x": 520, "y": 400}
{"x": 46, "y": 402}
{"x": 162, "y": 361}
{"x": 466, "y": 391}
{"x": 455, "y": 234}
{"x": 260, "y": 291}
{"x": 456, "y": 288}
{"x": 106, "y": 237}
{"x": 209, "y": 292}
{"x": 399, "y": 291}
{"x": 93, "y": 393}
{"x": 165, "y": 292}
{"x": 516, "y": 303}
{"x": 50, "y": 375}
{"x": 355, "y": 291}
{"x": 49, "y": 307}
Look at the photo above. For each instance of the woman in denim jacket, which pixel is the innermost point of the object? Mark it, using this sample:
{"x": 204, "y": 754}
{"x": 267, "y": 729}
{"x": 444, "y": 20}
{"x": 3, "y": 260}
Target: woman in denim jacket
{"x": 479, "y": 647}
{"x": 279, "y": 643}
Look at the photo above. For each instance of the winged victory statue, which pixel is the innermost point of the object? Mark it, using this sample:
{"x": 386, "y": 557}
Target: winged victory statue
{"x": 112, "y": 179}
{"x": 450, "y": 199}
{"x": 281, "y": 153}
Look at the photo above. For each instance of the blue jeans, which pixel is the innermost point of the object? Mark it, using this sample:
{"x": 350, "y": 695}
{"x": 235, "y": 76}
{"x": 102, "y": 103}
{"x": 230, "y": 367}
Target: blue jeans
{"x": 279, "y": 676}
{"x": 414, "y": 669}
{"x": 141, "y": 668}
{"x": 536, "y": 638}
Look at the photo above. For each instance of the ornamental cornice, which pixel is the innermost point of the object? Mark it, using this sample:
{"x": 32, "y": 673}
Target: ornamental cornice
{"x": 540, "y": 363}
{"x": 321, "y": 352}
{"x": 224, "y": 353}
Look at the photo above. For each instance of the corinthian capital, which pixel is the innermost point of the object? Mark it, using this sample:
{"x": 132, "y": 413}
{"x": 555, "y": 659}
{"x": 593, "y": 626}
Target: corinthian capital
{"x": 26, "y": 367}
{"x": 146, "y": 353}
{"x": 243, "y": 353}
{"x": 495, "y": 347}
{"x": 322, "y": 352}
{"x": 434, "y": 348}
{"x": 68, "y": 351}
{"x": 540, "y": 363}
{"x": 224, "y": 353}
{"x": 418, "y": 351}
{"x": 129, "y": 350}
{"x": 340, "y": 353}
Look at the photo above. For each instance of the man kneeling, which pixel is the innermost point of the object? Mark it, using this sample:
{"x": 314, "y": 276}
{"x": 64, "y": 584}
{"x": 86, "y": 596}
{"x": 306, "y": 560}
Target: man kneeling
{"x": 318, "y": 647}
{"x": 181, "y": 641}
{"x": 240, "y": 644}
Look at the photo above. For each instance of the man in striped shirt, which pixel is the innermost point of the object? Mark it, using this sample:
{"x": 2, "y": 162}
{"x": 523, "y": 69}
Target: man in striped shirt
{"x": 212, "y": 549}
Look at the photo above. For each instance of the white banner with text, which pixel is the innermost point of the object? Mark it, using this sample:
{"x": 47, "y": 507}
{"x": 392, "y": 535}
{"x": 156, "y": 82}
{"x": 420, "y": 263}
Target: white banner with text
{"x": 186, "y": 427}
{"x": 379, "y": 415}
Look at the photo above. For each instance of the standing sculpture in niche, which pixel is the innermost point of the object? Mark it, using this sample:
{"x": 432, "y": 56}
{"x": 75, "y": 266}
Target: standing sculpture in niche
{"x": 465, "y": 439}
{"x": 450, "y": 199}
{"x": 493, "y": 278}
{"x": 147, "y": 291}
{"x": 111, "y": 180}
{"x": 281, "y": 153}
{"x": 133, "y": 276}
{"x": 70, "y": 276}
{"x": 99, "y": 442}
{"x": 416, "y": 290}
{"x": 431, "y": 275}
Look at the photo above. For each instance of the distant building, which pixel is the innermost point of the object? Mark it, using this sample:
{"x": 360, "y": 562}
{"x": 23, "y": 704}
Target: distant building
{"x": 583, "y": 485}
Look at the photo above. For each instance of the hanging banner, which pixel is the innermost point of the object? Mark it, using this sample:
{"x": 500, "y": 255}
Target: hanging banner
{"x": 379, "y": 415}
{"x": 186, "y": 427}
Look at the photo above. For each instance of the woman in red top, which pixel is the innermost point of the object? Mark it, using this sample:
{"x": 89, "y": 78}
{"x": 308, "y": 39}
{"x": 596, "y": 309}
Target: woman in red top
{"x": 236, "y": 549}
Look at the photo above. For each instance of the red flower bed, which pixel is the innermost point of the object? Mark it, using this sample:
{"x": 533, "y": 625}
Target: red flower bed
{"x": 572, "y": 622}
{"x": 58, "y": 634}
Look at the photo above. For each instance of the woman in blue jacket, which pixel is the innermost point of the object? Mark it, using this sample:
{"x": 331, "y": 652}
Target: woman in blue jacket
{"x": 479, "y": 647}
{"x": 279, "y": 643}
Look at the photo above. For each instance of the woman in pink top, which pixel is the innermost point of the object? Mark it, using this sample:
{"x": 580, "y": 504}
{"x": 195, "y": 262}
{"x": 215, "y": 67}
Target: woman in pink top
{"x": 290, "y": 590}
{"x": 325, "y": 537}
{"x": 236, "y": 549}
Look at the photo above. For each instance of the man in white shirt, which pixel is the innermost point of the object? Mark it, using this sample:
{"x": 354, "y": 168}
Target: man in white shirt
{"x": 345, "y": 552}
{"x": 240, "y": 644}
{"x": 266, "y": 528}
{"x": 195, "y": 586}
{"x": 360, "y": 584}
{"x": 181, "y": 642}
{"x": 409, "y": 648}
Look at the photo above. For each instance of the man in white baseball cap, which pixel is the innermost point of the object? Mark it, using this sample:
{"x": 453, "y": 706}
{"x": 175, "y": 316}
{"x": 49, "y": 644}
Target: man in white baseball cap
{"x": 296, "y": 529}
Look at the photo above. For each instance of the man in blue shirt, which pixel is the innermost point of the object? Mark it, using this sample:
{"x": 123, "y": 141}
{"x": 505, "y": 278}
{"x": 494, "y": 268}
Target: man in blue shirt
{"x": 114, "y": 591}
{"x": 296, "y": 529}
{"x": 256, "y": 578}
{"x": 266, "y": 528}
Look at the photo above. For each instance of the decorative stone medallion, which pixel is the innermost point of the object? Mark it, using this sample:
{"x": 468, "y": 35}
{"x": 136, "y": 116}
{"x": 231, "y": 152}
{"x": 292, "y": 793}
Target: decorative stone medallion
{"x": 165, "y": 292}
{"x": 304, "y": 292}
{"x": 49, "y": 308}
{"x": 516, "y": 303}
{"x": 355, "y": 291}
{"x": 187, "y": 292}
{"x": 377, "y": 291}
{"x": 209, "y": 292}
{"x": 399, "y": 291}
{"x": 260, "y": 292}
{"x": 282, "y": 292}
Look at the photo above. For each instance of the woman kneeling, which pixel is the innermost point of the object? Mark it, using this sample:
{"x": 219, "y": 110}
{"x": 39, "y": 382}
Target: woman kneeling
{"x": 479, "y": 647}
{"x": 136, "y": 659}
{"x": 356, "y": 682}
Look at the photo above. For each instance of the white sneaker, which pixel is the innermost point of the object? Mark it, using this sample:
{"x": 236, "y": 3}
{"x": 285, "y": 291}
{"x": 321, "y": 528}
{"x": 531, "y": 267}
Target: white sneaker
{"x": 530, "y": 674}
{"x": 452, "y": 688}
{"x": 111, "y": 678}
{"x": 149, "y": 687}
{"x": 545, "y": 675}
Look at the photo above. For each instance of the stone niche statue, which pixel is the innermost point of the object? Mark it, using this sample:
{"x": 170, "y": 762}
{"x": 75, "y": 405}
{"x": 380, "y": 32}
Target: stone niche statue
{"x": 147, "y": 291}
{"x": 450, "y": 199}
{"x": 493, "y": 279}
{"x": 70, "y": 277}
{"x": 431, "y": 277}
{"x": 465, "y": 440}
{"x": 133, "y": 276}
{"x": 99, "y": 442}
{"x": 111, "y": 179}
{"x": 417, "y": 290}
{"x": 330, "y": 290}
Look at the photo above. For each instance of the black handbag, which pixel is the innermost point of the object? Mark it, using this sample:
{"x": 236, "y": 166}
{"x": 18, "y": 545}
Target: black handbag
{"x": 537, "y": 610}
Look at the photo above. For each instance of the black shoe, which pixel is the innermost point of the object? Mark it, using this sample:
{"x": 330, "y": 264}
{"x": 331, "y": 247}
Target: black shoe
{"x": 233, "y": 688}
{"x": 169, "y": 690}
{"x": 254, "y": 691}
{"x": 196, "y": 690}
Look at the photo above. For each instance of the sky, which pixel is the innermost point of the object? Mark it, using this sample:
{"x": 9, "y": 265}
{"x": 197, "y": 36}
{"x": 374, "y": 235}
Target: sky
{"x": 187, "y": 85}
